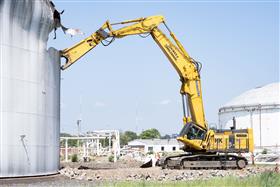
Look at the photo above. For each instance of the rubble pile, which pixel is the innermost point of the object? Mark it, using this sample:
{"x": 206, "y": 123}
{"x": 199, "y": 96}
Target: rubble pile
{"x": 156, "y": 174}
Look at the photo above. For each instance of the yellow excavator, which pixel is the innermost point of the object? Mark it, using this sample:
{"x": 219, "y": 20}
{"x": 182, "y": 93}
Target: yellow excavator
{"x": 204, "y": 147}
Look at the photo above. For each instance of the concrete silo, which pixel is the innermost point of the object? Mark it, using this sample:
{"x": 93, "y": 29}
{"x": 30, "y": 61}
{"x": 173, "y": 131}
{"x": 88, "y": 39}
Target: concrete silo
{"x": 29, "y": 90}
{"x": 259, "y": 109}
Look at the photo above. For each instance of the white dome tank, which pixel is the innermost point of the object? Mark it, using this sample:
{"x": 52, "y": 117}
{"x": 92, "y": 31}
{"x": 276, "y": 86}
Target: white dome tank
{"x": 29, "y": 90}
{"x": 259, "y": 109}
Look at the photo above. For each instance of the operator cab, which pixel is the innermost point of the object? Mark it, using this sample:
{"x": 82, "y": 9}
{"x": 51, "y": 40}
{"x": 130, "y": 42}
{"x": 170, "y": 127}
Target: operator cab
{"x": 192, "y": 132}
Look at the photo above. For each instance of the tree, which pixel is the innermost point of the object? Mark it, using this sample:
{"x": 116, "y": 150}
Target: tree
{"x": 71, "y": 143}
{"x": 105, "y": 142}
{"x": 150, "y": 134}
{"x": 166, "y": 136}
{"x": 130, "y": 135}
{"x": 127, "y": 136}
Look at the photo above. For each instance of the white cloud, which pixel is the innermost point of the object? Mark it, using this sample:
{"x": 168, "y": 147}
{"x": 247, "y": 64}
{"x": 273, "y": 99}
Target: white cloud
{"x": 165, "y": 102}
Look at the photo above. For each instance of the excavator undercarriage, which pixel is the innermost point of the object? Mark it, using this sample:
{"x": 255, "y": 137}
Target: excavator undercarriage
{"x": 203, "y": 161}
{"x": 224, "y": 150}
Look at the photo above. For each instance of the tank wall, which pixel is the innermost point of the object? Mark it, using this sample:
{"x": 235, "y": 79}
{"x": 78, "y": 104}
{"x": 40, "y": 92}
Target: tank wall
{"x": 265, "y": 125}
{"x": 29, "y": 90}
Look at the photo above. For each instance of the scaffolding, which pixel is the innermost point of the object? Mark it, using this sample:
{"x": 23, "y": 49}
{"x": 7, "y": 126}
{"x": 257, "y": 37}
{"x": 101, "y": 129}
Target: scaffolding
{"x": 92, "y": 146}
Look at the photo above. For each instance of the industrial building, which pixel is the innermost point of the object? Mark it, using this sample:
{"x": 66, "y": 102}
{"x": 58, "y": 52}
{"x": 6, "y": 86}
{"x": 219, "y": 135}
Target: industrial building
{"x": 30, "y": 90}
{"x": 258, "y": 108}
{"x": 155, "y": 145}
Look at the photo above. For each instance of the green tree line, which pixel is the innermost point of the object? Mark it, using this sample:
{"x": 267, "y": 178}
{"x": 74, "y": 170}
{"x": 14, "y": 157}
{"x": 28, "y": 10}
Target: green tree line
{"x": 125, "y": 137}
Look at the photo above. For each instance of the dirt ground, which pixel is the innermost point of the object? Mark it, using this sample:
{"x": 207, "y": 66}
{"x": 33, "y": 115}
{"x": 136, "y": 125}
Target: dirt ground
{"x": 127, "y": 169}
{"x": 103, "y": 163}
{"x": 100, "y": 171}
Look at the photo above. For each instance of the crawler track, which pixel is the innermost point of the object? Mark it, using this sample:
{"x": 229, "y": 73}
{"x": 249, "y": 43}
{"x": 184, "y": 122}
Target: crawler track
{"x": 204, "y": 161}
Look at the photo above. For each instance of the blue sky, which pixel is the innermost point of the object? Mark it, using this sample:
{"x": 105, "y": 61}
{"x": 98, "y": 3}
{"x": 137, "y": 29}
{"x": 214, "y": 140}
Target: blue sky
{"x": 130, "y": 85}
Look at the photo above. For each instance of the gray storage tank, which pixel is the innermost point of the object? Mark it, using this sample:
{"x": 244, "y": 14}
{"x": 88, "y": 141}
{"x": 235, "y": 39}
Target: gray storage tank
{"x": 29, "y": 90}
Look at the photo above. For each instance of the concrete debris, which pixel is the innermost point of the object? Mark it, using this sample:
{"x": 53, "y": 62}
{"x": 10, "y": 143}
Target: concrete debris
{"x": 128, "y": 169}
{"x": 274, "y": 158}
{"x": 158, "y": 174}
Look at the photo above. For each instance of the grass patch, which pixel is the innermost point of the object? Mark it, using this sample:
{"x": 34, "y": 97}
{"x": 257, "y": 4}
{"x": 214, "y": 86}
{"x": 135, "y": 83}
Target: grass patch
{"x": 267, "y": 179}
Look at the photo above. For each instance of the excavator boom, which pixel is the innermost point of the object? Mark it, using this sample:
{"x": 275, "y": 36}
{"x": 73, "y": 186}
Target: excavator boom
{"x": 185, "y": 66}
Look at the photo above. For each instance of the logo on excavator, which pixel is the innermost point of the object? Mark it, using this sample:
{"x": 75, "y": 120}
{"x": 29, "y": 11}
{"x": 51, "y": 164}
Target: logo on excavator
{"x": 218, "y": 140}
{"x": 171, "y": 51}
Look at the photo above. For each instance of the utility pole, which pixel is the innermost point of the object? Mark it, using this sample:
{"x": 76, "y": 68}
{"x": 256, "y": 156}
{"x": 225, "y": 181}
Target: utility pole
{"x": 136, "y": 117}
{"x": 79, "y": 121}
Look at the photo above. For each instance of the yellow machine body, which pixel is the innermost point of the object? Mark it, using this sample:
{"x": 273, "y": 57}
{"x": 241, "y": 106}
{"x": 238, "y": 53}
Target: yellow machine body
{"x": 195, "y": 135}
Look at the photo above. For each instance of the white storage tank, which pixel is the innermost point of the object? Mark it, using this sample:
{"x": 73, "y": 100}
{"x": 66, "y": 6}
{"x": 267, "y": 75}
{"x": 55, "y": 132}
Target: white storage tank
{"x": 259, "y": 109}
{"x": 29, "y": 90}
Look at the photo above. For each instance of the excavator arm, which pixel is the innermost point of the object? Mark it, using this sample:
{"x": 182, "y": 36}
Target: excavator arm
{"x": 140, "y": 26}
{"x": 195, "y": 127}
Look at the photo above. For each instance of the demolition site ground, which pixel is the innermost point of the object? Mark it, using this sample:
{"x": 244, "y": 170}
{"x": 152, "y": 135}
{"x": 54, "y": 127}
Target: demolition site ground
{"x": 127, "y": 172}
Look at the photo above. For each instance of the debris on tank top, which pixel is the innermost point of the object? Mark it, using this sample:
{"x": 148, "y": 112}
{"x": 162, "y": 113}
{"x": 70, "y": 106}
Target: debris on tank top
{"x": 58, "y": 24}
